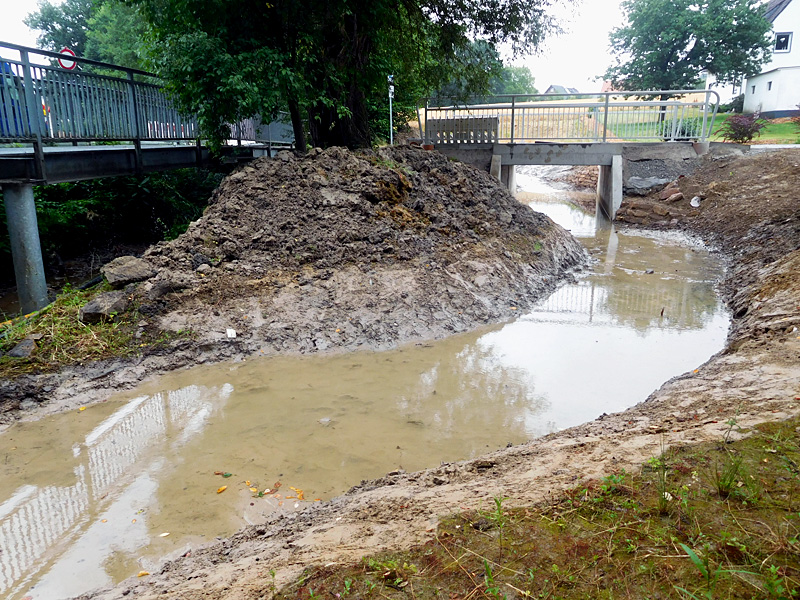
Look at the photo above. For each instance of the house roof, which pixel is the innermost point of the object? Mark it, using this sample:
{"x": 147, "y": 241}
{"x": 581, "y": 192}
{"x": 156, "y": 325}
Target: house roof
{"x": 560, "y": 89}
{"x": 775, "y": 8}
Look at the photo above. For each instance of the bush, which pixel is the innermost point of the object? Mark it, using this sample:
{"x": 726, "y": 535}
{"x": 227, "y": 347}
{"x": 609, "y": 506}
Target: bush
{"x": 736, "y": 105}
{"x": 742, "y": 128}
{"x": 686, "y": 129}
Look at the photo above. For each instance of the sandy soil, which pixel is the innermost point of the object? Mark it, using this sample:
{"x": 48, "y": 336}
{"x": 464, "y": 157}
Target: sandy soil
{"x": 749, "y": 209}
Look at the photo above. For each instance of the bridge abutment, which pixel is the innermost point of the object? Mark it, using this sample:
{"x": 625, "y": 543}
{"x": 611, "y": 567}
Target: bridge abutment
{"x": 23, "y": 232}
{"x": 609, "y": 187}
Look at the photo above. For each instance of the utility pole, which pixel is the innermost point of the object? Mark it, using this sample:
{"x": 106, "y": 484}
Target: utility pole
{"x": 391, "y": 96}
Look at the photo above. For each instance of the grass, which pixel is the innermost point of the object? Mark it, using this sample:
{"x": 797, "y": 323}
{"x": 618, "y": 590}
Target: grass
{"x": 64, "y": 340}
{"x": 774, "y": 133}
{"x": 669, "y": 530}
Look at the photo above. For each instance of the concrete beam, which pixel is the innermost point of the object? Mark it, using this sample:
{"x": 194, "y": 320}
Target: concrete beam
{"x": 609, "y": 188}
{"x": 26, "y": 251}
{"x": 533, "y": 154}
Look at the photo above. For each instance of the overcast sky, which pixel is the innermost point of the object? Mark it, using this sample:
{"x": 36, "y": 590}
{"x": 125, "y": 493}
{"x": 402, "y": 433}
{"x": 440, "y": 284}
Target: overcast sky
{"x": 572, "y": 59}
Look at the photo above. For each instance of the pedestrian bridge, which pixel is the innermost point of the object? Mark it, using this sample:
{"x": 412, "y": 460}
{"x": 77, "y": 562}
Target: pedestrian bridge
{"x": 499, "y": 133}
{"x": 91, "y": 120}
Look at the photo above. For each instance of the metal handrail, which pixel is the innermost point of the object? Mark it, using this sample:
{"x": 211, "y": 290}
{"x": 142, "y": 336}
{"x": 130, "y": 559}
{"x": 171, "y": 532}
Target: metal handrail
{"x": 522, "y": 118}
{"x": 46, "y": 103}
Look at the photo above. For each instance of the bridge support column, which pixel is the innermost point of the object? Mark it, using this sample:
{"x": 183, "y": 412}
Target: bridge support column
{"x": 495, "y": 167}
{"x": 26, "y": 250}
{"x": 508, "y": 176}
{"x": 609, "y": 187}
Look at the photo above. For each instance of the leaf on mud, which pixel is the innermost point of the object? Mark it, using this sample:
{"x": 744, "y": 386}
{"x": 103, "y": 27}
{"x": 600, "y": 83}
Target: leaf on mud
{"x": 82, "y": 408}
{"x": 142, "y": 573}
{"x": 222, "y": 489}
{"x": 254, "y": 490}
{"x": 217, "y": 472}
{"x": 227, "y": 475}
{"x": 277, "y": 484}
{"x": 260, "y": 494}
{"x": 133, "y": 520}
{"x": 247, "y": 483}
{"x": 269, "y": 491}
{"x": 165, "y": 534}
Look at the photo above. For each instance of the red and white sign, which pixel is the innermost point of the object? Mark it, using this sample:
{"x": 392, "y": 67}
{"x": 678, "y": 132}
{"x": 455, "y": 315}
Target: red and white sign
{"x": 66, "y": 63}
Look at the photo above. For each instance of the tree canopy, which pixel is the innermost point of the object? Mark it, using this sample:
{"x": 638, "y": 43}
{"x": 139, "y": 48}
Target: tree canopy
{"x": 327, "y": 63}
{"x": 103, "y": 30}
{"x": 666, "y": 44}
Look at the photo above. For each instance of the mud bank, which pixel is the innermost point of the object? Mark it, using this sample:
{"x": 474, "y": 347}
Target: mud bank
{"x": 755, "y": 221}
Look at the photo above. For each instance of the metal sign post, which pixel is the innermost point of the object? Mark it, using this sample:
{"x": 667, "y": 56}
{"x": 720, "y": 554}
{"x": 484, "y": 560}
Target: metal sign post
{"x": 391, "y": 96}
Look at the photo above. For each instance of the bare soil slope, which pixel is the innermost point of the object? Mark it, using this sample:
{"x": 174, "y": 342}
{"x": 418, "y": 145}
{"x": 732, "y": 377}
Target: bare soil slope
{"x": 750, "y": 211}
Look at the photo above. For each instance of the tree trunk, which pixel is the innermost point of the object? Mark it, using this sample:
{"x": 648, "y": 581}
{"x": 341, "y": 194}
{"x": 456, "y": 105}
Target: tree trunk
{"x": 297, "y": 126}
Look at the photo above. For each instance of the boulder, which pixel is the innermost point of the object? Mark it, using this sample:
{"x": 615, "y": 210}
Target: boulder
{"x": 127, "y": 269}
{"x": 641, "y": 186}
{"x": 103, "y": 306}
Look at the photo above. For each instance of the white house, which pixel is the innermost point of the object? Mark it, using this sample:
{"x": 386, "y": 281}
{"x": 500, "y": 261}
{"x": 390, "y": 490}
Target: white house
{"x": 775, "y": 92}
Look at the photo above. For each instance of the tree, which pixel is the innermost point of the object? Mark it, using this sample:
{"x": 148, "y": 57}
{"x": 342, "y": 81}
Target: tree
{"x": 104, "y": 30}
{"x": 667, "y": 43}
{"x": 514, "y": 80}
{"x": 325, "y": 62}
{"x": 61, "y": 25}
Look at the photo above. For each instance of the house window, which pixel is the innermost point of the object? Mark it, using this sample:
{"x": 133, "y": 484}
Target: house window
{"x": 769, "y": 85}
{"x": 783, "y": 42}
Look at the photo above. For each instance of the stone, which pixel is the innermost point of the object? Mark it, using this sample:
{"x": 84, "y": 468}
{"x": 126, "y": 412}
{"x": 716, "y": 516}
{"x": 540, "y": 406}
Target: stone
{"x": 127, "y": 269}
{"x": 23, "y": 350}
{"x": 641, "y": 186}
{"x": 668, "y": 191}
{"x": 661, "y": 211}
{"x": 675, "y": 197}
{"x": 103, "y": 306}
{"x": 204, "y": 268}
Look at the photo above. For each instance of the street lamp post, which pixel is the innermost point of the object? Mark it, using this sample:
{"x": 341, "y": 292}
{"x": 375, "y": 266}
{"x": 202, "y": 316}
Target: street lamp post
{"x": 391, "y": 96}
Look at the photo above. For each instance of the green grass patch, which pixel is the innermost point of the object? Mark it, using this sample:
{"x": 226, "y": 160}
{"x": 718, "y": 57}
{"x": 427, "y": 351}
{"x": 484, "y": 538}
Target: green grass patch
{"x": 718, "y": 520}
{"x": 62, "y": 339}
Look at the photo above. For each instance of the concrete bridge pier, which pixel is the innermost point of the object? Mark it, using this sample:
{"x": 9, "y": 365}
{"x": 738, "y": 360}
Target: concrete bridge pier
{"x": 507, "y": 174}
{"x": 609, "y": 188}
{"x": 26, "y": 251}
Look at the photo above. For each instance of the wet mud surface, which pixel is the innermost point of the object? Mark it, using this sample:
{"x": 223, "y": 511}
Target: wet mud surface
{"x": 748, "y": 211}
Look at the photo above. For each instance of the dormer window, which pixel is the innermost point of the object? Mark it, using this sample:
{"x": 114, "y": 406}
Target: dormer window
{"x": 783, "y": 42}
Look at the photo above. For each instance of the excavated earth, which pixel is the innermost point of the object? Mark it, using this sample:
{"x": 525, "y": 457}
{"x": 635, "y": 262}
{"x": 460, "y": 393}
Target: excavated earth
{"x": 748, "y": 209}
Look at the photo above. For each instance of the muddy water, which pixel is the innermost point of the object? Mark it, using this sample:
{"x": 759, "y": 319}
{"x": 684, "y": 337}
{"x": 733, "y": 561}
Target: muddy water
{"x": 94, "y": 496}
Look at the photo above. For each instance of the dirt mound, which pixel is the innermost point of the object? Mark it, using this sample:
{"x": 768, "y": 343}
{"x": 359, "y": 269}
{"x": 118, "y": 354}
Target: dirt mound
{"x": 337, "y": 249}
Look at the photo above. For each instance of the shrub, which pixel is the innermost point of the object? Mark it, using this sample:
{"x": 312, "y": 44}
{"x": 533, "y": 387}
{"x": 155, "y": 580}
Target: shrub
{"x": 736, "y": 105}
{"x": 686, "y": 129}
{"x": 742, "y": 128}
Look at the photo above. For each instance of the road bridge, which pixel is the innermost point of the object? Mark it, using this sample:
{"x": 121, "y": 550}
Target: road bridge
{"x": 96, "y": 120}
{"x": 500, "y": 133}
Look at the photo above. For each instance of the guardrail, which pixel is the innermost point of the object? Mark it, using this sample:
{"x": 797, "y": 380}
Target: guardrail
{"x": 661, "y": 115}
{"x": 45, "y": 103}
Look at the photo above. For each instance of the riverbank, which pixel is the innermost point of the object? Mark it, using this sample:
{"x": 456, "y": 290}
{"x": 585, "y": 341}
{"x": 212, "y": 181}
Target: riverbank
{"x": 747, "y": 209}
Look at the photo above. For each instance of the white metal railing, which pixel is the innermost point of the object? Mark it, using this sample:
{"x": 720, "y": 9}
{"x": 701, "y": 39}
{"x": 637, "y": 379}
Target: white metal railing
{"x": 661, "y": 115}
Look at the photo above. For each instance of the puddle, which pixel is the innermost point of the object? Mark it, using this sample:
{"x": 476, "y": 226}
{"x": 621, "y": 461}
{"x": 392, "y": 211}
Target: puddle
{"x": 85, "y": 497}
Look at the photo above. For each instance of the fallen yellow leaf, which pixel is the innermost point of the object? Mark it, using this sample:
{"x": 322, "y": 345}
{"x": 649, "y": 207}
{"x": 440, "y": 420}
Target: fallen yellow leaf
{"x": 247, "y": 483}
{"x": 222, "y": 489}
{"x": 254, "y": 490}
{"x": 142, "y": 573}
{"x": 82, "y": 408}
{"x": 133, "y": 521}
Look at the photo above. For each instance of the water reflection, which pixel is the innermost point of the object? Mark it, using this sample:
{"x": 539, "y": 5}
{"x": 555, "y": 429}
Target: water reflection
{"x": 38, "y": 522}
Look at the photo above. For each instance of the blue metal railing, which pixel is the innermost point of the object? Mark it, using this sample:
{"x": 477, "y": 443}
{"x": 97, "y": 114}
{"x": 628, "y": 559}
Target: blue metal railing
{"x": 44, "y": 102}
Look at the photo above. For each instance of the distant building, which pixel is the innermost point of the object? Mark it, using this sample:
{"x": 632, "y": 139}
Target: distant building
{"x": 775, "y": 92}
{"x": 561, "y": 90}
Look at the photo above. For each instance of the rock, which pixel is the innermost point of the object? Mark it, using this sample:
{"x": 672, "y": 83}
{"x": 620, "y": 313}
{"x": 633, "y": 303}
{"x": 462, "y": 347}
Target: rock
{"x": 103, "y": 306}
{"x": 641, "y": 186}
{"x": 649, "y": 271}
{"x": 675, "y": 197}
{"x": 22, "y": 350}
{"x": 127, "y": 269}
{"x": 660, "y": 210}
{"x": 28, "y": 405}
{"x": 695, "y": 202}
{"x": 204, "y": 268}
{"x": 668, "y": 191}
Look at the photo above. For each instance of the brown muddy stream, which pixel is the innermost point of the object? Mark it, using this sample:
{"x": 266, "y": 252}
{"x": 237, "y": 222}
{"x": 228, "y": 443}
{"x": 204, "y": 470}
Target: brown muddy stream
{"x": 90, "y": 497}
